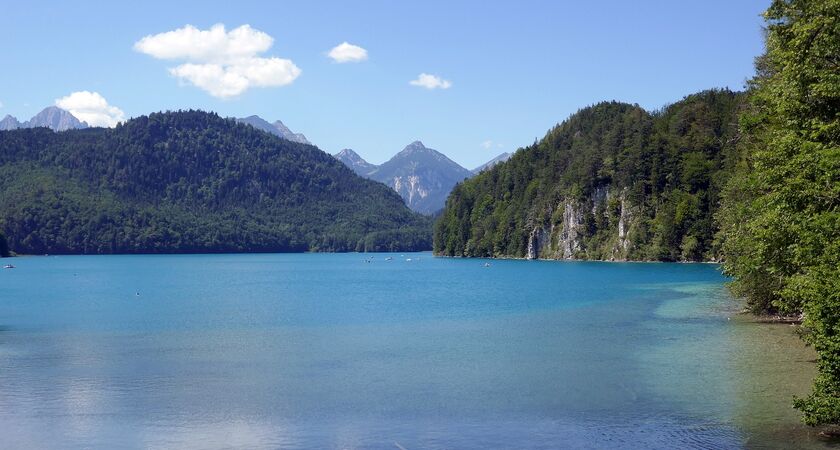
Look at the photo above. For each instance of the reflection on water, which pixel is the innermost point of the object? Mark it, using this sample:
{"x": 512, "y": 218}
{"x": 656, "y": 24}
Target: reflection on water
{"x": 326, "y": 351}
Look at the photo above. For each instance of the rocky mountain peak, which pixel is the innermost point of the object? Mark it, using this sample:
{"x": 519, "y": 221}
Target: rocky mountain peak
{"x": 278, "y": 128}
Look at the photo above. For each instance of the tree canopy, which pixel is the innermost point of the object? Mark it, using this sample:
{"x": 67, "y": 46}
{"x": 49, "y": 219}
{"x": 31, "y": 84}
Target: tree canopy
{"x": 780, "y": 220}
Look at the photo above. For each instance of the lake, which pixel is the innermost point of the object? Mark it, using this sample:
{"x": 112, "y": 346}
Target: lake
{"x": 358, "y": 351}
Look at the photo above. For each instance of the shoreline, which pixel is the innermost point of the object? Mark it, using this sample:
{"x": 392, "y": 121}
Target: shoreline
{"x": 519, "y": 258}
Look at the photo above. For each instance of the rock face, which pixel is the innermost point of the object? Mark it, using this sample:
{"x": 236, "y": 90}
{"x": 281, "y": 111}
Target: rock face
{"x": 277, "y": 128}
{"x": 489, "y": 164}
{"x": 51, "y": 117}
{"x": 564, "y": 238}
{"x": 56, "y": 119}
{"x": 422, "y": 176}
{"x": 352, "y": 160}
{"x": 9, "y": 123}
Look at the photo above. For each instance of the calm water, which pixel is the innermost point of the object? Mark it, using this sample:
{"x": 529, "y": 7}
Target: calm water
{"x": 330, "y": 351}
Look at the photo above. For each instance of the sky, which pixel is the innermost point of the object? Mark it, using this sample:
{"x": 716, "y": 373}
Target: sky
{"x": 471, "y": 79}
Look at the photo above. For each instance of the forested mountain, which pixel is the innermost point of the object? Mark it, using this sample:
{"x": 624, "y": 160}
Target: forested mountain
{"x": 51, "y": 117}
{"x": 612, "y": 182}
{"x": 277, "y": 128}
{"x": 190, "y": 182}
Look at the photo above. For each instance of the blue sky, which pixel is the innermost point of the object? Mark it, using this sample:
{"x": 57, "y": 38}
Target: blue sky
{"x": 515, "y": 68}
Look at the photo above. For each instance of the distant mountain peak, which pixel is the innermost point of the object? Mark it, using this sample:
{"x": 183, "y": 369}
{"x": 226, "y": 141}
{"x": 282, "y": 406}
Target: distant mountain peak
{"x": 349, "y": 153}
{"x": 489, "y": 164}
{"x": 55, "y": 118}
{"x": 422, "y": 176}
{"x": 9, "y": 123}
{"x": 352, "y": 160}
{"x": 278, "y": 128}
{"x": 414, "y": 146}
{"x": 51, "y": 117}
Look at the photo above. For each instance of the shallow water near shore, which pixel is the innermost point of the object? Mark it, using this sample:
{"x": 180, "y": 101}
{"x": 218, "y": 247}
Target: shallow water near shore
{"x": 333, "y": 351}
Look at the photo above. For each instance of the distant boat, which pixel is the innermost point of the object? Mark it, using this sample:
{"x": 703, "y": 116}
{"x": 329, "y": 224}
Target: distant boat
{"x": 8, "y": 266}
{"x": 408, "y": 259}
{"x": 487, "y": 264}
{"x": 389, "y": 259}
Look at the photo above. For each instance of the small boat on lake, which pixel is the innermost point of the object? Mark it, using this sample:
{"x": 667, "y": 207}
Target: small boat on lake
{"x": 8, "y": 266}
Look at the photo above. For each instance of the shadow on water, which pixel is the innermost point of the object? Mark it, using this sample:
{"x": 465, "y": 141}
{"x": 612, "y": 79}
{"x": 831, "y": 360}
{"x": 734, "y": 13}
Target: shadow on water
{"x": 777, "y": 366}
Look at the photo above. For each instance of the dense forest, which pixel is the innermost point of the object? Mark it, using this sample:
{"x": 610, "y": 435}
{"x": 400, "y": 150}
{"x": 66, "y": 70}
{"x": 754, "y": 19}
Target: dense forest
{"x": 780, "y": 214}
{"x": 190, "y": 182}
{"x": 4, "y": 246}
{"x": 613, "y": 181}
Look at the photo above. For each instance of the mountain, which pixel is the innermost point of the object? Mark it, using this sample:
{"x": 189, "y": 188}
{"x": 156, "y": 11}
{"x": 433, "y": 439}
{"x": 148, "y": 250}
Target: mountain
{"x": 55, "y": 119}
{"x": 190, "y": 181}
{"x": 423, "y": 177}
{"x": 611, "y": 182}
{"x": 352, "y": 160}
{"x": 51, "y": 117}
{"x": 489, "y": 164}
{"x": 277, "y": 128}
{"x": 9, "y": 123}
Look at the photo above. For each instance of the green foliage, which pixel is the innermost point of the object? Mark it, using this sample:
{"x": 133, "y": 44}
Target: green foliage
{"x": 669, "y": 166}
{"x": 4, "y": 246}
{"x": 780, "y": 220}
{"x": 190, "y": 182}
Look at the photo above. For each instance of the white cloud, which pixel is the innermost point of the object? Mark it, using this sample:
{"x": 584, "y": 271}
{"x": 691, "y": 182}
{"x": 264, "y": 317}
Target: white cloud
{"x": 92, "y": 108}
{"x": 223, "y": 63}
{"x": 487, "y": 144}
{"x": 431, "y": 82}
{"x": 347, "y": 52}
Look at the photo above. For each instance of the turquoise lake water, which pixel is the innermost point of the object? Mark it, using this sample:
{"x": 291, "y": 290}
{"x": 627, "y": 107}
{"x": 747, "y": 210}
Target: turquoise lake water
{"x": 331, "y": 351}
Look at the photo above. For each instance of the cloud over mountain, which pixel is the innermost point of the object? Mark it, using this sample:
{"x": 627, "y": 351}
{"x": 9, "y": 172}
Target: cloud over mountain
{"x": 223, "y": 63}
{"x": 92, "y": 108}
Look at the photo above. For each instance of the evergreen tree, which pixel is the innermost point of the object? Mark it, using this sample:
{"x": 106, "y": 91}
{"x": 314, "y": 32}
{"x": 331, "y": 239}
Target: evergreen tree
{"x": 4, "y": 246}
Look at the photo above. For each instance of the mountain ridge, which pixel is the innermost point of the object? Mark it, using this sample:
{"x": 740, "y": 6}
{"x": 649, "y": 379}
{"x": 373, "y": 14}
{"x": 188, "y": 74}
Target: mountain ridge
{"x": 51, "y": 117}
{"x": 277, "y": 128}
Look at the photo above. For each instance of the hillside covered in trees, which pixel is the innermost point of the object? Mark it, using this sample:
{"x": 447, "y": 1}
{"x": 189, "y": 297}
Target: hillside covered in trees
{"x": 611, "y": 182}
{"x": 190, "y": 182}
{"x": 780, "y": 213}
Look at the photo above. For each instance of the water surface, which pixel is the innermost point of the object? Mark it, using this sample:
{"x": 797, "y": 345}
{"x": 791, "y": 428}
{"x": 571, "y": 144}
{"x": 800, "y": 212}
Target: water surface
{"x": 333, "y": 351}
